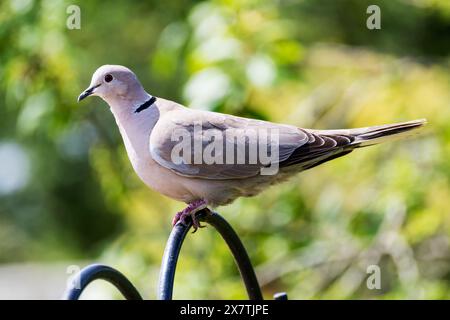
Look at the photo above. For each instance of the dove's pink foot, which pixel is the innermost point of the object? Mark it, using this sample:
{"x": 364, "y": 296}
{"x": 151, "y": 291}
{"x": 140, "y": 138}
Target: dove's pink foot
{"x": 190, "y": 211}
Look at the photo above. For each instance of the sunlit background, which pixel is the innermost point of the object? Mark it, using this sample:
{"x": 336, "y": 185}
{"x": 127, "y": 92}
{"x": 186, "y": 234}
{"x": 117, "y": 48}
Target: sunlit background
{"x": 69, "y": 197}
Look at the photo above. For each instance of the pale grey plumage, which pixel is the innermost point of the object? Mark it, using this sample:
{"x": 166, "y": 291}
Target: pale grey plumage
{"x": 148, "y": 139}
{"x": 161, "y": 143}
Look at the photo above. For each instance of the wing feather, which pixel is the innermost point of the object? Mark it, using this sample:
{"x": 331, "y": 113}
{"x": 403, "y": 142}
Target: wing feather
{"x": 298, "y": 147}
{"x": 162, "y": 142}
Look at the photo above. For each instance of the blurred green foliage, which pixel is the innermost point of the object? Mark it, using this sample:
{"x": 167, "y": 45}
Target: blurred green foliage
{"x": 67, "y": 190}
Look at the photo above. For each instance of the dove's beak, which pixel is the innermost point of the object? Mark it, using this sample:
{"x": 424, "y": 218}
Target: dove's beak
{"x": 87, "y": 92}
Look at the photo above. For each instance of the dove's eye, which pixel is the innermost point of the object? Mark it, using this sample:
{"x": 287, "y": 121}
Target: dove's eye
{"x": 108, "y": 78}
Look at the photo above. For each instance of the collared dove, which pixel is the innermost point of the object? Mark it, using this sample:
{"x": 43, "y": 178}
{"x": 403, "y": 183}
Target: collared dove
{"x": 147, "y": 125}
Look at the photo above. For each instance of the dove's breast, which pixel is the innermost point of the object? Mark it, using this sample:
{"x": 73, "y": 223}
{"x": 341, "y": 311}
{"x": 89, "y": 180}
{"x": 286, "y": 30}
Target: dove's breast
{"x": 177, "y": 187}
{"x": 136, "y": 140}
{"x": 136, "y": 132}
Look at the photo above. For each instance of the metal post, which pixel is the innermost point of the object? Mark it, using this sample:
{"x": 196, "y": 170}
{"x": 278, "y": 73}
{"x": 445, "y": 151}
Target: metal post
{"x": 169, "y": 263}
{"x": 173, "y": 247}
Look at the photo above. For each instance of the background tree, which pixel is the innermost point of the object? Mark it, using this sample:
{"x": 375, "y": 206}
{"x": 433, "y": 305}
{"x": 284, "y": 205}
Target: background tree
{"x": 67, "y": 190}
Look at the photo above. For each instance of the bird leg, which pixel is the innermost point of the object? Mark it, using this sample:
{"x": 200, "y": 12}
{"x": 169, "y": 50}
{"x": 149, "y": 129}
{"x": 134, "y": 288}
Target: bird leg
{"x": 190, "y": 211}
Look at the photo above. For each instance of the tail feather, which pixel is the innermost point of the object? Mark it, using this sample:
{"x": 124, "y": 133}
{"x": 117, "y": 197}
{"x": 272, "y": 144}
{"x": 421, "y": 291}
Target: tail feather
{"x": 325, "y": 145}
{"x": 378, "y": 134}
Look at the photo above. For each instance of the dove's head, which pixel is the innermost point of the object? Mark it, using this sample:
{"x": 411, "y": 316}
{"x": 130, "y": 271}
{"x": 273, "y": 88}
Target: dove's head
{"x": 114, "y": 83}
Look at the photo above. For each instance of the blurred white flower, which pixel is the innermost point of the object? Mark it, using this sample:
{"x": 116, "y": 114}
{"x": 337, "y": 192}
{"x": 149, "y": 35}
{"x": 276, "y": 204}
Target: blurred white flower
{"x": 14, "y": 168}
{"x": 206, "y": 88}
{"x": 261, "y": 71}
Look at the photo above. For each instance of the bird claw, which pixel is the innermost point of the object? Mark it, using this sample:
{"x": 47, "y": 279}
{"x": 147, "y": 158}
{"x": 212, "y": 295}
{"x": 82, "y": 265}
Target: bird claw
{"x": 190, "y": 212}
{"x": 195, "y": 223}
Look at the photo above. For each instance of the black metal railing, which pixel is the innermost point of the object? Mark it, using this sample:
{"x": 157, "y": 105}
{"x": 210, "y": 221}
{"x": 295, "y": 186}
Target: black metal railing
{"x": 99, "y": 271}
{"x": 167, "y": 274}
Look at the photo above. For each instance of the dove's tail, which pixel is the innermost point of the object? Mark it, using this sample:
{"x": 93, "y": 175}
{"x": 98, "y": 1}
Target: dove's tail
{"x": 331, "y": 144}
{"x": 374, "y": 135}
{"x": 363, "y": 137}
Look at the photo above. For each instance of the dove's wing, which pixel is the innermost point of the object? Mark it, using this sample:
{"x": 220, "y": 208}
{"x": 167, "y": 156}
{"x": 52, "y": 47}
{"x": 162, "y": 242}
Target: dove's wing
{"x": 297, "y": 147}
{"x": 175, "y": 126}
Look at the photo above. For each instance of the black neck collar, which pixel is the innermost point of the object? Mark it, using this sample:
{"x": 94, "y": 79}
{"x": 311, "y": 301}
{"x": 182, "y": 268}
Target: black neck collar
{"x": 145, "y": 105}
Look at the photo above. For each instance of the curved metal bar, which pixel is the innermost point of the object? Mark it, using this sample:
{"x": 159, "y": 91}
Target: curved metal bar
{"x": 239, "y": 253}
{"x": 173, "y": 247}
{"x": 280, "y": 296}
{"x": 169, "y": 260}
{"x": 98, "y": 271}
